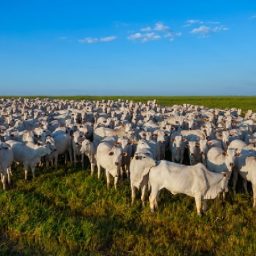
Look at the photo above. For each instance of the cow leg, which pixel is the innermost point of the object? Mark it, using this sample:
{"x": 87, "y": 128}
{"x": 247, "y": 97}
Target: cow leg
{"x": 115, "y": 181}
{"x": 198, "y": 200}
{"x": 224, "y": 196}
{"x": 254, "y": 194}
{"x": 128, "y": 170}
{"x": 153, "y": 198}
{"x": 26, "y": 172}
{"x": 235, "y": 177}
{"x": 143, "y": 194}
{"x": 82, "y": 161}
{"x": 98, "y": 171}
{"x": 122, "y": 171}
{"x": 108, "y": 178}
{"x": 74, "y": 156}
{"x": 66, "y": 159}
{"x": 204, "y": 208}
{"x": 70, "y": 155}
{"x": 245, "y": 186}
{"x": 133, "y": 189}
{"x": 3, "y": 178}
{"x": 33, "y": 171}
{"x": 56, "y": 162}
{"x": 92, "y": 168}
{"x": 9, "y": 173}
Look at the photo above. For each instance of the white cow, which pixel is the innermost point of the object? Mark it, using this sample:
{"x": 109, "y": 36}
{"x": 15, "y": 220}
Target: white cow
{"x": 194, "y": 152}
{"x": 28, "y": 154}
{"x": 109, "y": 156}
{"x": 246, "y": 167}
{"x": 147, "y": 146}
{"x": 6, "y": 159}
{"x": 237, "y": 144}
{"x": 195, "y": 181}
{"x": 219, "y": 160}
{"x": 178, "y": 148}
{"x": 126, "y": 159}
{"x": 63, "y": 144}
{"x": 139, "y": 169}
{"x": 88, "y": 148}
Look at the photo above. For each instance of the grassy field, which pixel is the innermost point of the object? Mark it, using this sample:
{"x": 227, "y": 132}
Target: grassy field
{"x": 68, "y": 212}
{"x": 71, "y": 213}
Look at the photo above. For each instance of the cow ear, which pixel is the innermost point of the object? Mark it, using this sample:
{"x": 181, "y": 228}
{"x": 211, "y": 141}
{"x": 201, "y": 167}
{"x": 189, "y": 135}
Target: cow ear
{"x": 111, "y": 153}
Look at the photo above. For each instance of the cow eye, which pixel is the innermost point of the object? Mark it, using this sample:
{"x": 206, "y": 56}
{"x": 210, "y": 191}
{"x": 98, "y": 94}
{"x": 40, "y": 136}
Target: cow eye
{"x": 111, "y": 153}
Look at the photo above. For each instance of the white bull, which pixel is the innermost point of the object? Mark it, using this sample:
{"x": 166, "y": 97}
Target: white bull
{"x": 195, "y": 181}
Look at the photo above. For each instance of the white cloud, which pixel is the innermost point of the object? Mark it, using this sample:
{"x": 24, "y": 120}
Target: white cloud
{"x": 93, "y": 40}
{"x": 191, "y": 22}
{"x": 159, "y": 26}
{"x": 171, "y": 36}
{"x": 144, "y": 37}
{"x": 88, "y": 40}
{"x": 219, "y": 28}
{"x": 194, "y": 22}
{"x": 157, "y": 31}
{"x": 108, "y": 39}
{"x": 204, "y": 30}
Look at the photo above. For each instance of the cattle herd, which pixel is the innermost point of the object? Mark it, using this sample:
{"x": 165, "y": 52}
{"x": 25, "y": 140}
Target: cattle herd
{"x": 185, "y": 148}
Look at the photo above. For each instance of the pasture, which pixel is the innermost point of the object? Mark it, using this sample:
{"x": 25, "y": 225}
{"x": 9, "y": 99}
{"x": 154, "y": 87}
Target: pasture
{"x": 69, "y": 212}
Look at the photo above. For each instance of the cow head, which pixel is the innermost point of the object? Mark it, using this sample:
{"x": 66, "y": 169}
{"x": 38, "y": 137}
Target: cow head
{"x": 145, "y": 162}
{"x": 115, "y": 155}
{"x": 230, "y": 157}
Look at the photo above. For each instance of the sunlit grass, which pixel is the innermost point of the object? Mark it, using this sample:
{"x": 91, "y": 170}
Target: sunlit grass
{"x": 73, "y": 213}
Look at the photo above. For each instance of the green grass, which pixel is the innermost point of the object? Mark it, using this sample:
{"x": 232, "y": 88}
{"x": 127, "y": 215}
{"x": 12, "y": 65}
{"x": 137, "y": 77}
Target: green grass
{"x": 243, "y": 102}
{"x": 73, "y": 213}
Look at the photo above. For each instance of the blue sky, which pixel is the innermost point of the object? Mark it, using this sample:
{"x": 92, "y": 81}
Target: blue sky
{"x": 75, "y": 47}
